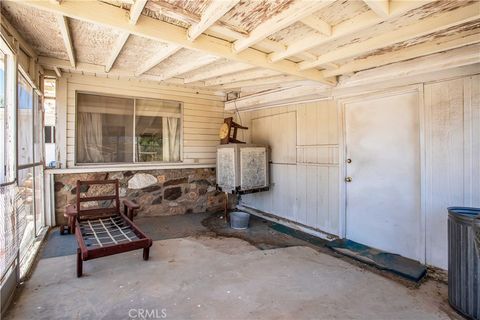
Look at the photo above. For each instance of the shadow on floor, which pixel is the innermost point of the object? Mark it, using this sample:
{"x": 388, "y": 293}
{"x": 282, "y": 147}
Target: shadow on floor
{"x": 260, "y": 234}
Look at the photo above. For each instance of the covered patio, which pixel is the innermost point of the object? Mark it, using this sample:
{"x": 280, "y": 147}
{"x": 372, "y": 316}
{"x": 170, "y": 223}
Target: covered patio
{"x": 343, "y": 129}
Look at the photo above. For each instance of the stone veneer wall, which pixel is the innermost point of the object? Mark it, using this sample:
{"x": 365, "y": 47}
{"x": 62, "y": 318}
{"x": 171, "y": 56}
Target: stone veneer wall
{"x": 159, "y": 192}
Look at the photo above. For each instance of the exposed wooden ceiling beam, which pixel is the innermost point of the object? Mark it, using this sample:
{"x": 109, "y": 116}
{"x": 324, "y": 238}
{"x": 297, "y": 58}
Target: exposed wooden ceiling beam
{"x": 348, "y": 27}
{"x": 117, "y": 48}
{"x": 219, "y": 28}
{"x": 62, "y": 22}
{"x": 380, "y": 7}
{"x": 423, "y": 49}
{"x": 421, "y": 28}
{"x": 113, "y": 17}
{"x": 215, "y": 10}
{"x": 156, "y": 59}
{"x": 281, "y": 79}
{"x": 136, "y": 10}
{"x": 318, "y": 25}
{"x": 241, "y": 76}
{"x": 440, "y": 61}
{"x": 295, "y": 12}
{"x": 58, "y": 72}
{"x": 231, "y": 67}
{"x": 187, "y": 67}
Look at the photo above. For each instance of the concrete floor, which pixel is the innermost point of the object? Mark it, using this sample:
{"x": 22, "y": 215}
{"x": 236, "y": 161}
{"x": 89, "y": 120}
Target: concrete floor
{"x": 210, "y": 276}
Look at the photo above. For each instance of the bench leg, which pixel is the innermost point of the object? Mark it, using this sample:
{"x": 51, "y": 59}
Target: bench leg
{"x": 79, "y": 263}
{"x": 146, "y": 252}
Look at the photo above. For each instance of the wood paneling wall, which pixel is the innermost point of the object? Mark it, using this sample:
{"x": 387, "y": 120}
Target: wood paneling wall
{"x": 305, "y": 179}
{"x": 203, "y": 113}
{"x": 452, "y": 112}
{"x": 304, "y": 170}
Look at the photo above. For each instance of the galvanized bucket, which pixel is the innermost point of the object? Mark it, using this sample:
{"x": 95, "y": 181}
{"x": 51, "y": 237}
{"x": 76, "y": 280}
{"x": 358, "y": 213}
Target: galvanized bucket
{"x": 239, "y": 220}
{"x": 464, "y": 260}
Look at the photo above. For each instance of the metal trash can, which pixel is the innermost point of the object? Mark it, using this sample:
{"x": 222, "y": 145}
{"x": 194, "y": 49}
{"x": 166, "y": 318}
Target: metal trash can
{"x": 464, "y": 260}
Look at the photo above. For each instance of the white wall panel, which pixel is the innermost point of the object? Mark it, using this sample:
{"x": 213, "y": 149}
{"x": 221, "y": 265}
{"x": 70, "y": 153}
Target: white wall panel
{"x": 452, "y": 155}
{"x": 304, "y": 169}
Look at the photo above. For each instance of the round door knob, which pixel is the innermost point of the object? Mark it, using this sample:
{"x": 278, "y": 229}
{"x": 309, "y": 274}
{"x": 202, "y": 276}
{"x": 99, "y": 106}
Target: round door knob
{"x": 348, "y": 179}
{"x": 349, "y": 160}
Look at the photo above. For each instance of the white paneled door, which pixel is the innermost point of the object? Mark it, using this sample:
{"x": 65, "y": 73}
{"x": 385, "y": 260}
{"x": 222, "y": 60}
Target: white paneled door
{"x": 383, "y": 162}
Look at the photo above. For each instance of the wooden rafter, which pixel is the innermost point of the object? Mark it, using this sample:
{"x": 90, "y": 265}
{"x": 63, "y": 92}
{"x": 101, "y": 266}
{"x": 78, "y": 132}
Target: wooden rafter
{"x": 135, "y": 12}
{"x": 380, "y": 7}
{"x": 241, "y": 76}
{"x": 440, "y": 61}
{"x": 228, "y": 68}
{"x": 421, "y": 28}
{"x": 187, "y": 67}
{"x": 297, "y": 11}
{"x": 215, "y": 10}
{"x": 113, "y": 17}
{"x": 117, "y": 48}
{"x": 281, "y": 79}
{"x": 357, "y": 24}
{"x": 423, "y": 49}
{"x": 58, "y": 72}
{"x": 318, "y": 25}
{"x": 62, "y": 22}
{"x": 156, "y": 59}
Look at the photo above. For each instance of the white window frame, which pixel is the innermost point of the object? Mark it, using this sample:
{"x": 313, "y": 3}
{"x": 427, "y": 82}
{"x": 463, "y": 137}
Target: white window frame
{"x": 133, "y": 162}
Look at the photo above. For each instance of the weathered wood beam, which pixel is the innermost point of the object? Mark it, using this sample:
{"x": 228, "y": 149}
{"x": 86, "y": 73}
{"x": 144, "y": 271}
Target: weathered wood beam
{"x": 117, "y": 48}
{"x": 187, "y": 67}
{"x": 295, "y": 12}
{"x": 317, "y": 24}
{"x": 241, "y": 76}
{"x": 217, "y": 71}
{"x": 282, "y": 79}
{"x": 156, "y": 59}
{"x": 215, "y": 10}
{"x": 58, "y": 72}
{"x": 421, "y": 28}
{"x": 219, "y": 28}
{"x": 113, "y": 17}
{"x": 136, "y": 10}
{"x": 357, "y": 24}
{"x": 296, "y": 93}
{"x": 423, "y": 49}
{"x": 436, "y": 62}
{"x": 380, "y": 7}
{"x": 62, "y": 22}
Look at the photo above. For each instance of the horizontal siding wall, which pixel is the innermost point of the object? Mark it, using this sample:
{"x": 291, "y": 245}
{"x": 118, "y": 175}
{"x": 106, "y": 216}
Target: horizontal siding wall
{"x": 203, "y": 113}
{"x": 304, "y": 170}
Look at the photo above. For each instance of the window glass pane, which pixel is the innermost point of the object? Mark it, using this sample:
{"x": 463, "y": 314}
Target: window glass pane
{"x": 104, "y": 129}
{"x": 25, "y": 210}
{"x": 38, "y": 128}
{"x": 157, "y": 130}
{"x": 25, "y": 122}
{"x": 3, "y": 117}
{"x": 48, "y": 134}
{"x": 39, "y": 205}
{"x": 49, "y": 104}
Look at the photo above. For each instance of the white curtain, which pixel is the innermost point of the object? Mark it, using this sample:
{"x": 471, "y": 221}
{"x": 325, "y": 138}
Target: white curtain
{"x": 171, "y": 139}
{"x": 90, "y": 137}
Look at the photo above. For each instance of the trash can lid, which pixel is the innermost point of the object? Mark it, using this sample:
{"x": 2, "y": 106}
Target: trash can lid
{"x": 467, "y": 212}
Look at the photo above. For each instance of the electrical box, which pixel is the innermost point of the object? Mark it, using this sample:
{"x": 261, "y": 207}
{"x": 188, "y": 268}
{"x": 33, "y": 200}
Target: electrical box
{"x": 243, "y": 168}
